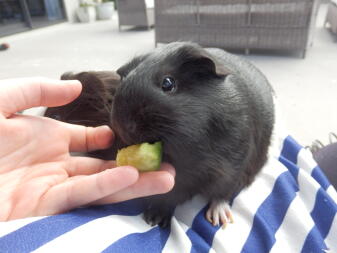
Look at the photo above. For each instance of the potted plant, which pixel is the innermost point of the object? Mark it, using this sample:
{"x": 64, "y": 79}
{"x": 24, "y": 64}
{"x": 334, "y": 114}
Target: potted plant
{"x": 105, "y": 9}
{"x": 86, "y": 12}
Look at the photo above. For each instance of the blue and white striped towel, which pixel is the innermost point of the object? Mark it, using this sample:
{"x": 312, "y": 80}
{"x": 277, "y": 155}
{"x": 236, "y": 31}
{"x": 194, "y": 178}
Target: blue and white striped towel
{"x": 290, "y": 207}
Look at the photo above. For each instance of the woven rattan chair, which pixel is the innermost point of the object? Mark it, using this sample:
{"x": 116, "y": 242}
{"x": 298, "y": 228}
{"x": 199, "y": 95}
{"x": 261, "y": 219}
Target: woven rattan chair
{"x": 237, "y": 24}
{"x": 134, "y": 13}
{"x": 331, "y": 17}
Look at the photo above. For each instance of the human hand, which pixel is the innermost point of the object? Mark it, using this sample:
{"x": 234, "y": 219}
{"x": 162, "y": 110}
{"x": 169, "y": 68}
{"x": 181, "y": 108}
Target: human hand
{"x": 38, "y": 176}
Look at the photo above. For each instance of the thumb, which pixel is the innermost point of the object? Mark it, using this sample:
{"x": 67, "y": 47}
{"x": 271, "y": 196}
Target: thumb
{"x": 24, "y": 93}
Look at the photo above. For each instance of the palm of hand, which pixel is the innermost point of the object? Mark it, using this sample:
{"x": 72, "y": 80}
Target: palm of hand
{"x": 38, "y": 176}
{"x": 29, "y": 178}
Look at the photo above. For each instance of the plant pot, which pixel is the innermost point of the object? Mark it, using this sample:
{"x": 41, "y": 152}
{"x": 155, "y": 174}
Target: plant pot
{"x": 86, "y": 14}
{"x": 105, "y": 10}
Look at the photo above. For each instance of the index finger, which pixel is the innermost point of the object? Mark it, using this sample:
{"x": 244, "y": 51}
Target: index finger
{"x": 84, "y": 139}
{"x": 148, "y": 183}
{"x": 23, "y": 93}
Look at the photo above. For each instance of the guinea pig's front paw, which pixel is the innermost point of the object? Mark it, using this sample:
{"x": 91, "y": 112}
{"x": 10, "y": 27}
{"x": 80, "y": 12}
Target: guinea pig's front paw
{"x": 219, "y": 212}
{"x": 154, "y": 216}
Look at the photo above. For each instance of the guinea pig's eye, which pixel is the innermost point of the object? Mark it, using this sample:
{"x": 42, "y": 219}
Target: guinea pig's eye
{"x": 168, "y": 84}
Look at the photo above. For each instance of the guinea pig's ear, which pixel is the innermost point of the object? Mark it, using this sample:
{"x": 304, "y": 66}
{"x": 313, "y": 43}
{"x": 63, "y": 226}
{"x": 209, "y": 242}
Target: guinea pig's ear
{"x": 109, "y": 79}
{"x": 204, "y": 65}
{"x": 92, "y": 107}
{"x": 68, "y": 76}
{"x": 127, "y": 68}
{"x": 97, "y": 86}
{"x": 91, "y": 83}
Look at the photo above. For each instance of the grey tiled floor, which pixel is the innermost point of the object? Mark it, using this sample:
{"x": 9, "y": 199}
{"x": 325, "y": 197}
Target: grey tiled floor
{"x": 306, "y": 89}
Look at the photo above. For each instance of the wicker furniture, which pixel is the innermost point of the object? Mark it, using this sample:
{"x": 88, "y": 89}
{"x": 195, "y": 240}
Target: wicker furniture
{"x": 134, "y": 13}
{"x": 331, "y": 17}
{"x": 237, "y": 24}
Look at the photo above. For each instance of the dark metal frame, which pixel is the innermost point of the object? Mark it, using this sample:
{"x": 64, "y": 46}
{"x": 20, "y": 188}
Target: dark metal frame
{"x": 27, "y": 23}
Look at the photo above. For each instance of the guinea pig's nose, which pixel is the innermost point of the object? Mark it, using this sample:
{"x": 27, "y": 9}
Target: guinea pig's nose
{"x": 126, "y": 132}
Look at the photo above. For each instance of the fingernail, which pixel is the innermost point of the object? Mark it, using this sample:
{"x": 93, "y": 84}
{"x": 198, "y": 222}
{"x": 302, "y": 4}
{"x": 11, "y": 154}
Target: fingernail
{"x": 106, "y": 132}
{"x": 76, "y": 82}
{"x": 169, "y": 168}
{"x": 71, "y": 81}
{"x": 105, "y": 127}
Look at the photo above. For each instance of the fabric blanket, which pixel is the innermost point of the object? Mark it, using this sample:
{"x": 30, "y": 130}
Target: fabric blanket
{"x": 290, "y": 207}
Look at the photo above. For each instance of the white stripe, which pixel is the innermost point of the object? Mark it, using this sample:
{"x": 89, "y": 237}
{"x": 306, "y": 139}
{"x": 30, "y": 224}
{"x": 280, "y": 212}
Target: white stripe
{"x": 297, "y": 224}
{"x": 331, "y": 239}
{"x": 188, "y": 210}
{"x": 305, "y": 160}
{"x": 211, "y": 251}
{"x": 233, "y": 237}
{"x": 293, "y": 231}
{"x": 332, "y": 193}
{"x": 96, "y": 235}
{"x": 183, "y": 218}
{"x": 308, "y": 188}
{"x": 10, "y": 226}
{"x": 178, "y": 241}
{"x": 307, "y": 163}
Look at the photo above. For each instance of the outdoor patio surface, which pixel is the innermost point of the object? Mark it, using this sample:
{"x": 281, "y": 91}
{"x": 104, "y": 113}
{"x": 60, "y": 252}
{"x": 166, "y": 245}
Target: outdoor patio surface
{"x": 306, "y": 88}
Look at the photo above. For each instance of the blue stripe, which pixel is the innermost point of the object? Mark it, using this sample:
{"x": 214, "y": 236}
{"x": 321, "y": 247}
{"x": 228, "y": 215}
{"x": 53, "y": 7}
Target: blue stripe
{"x": 320, "y": 177}
{"x": 202, "y": 232}
{"x": 324, "y": 211}
{"x": 290, "y": 149}
{"x": 314, "y": 242}
{"x": 198, "y": 244}
{"x": 323, "y": 214}
{"x": 292, "y": 168}
{"x": 270, "y": 215}
{"x": 153, "y": 240}
{"x": 35, "y": 234}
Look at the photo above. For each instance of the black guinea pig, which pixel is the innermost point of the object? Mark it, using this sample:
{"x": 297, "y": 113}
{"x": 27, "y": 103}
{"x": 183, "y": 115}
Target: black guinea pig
{"x": 212, "y": 110}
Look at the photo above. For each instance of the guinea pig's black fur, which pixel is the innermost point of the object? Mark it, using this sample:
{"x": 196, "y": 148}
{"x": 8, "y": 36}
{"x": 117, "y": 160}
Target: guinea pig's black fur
{"x": 215, "y": 120}
{"x": 215, "y": 123}
{"x": 93, "y": 106}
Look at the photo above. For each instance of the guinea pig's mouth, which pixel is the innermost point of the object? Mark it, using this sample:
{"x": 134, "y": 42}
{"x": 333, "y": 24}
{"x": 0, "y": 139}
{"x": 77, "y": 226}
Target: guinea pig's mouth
{"x": 127, "y": 138}
{"x": 120, "y": 144}
{"x": 145, "y": 141}
{"x": 152, "y": 141}
{"x": 125, "y": 142}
